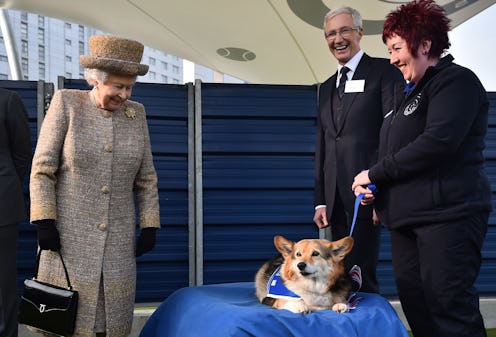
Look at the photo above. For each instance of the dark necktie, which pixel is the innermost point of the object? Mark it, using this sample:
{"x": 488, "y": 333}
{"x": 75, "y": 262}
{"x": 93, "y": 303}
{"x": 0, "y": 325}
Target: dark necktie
{"x": 342, "y": 81}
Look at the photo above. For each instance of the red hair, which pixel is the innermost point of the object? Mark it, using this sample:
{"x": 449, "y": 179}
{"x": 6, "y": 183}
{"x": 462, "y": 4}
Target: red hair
{"x": 416, "y": 22}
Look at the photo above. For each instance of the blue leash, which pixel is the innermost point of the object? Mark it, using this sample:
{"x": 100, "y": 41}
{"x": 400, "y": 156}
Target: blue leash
{"x": 359, "y": 198}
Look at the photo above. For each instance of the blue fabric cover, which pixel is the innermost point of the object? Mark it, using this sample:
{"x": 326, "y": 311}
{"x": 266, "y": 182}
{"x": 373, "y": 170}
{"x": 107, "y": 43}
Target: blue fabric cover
{"x": 231, "y": 309}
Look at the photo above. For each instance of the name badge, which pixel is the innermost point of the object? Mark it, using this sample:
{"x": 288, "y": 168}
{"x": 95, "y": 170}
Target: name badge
{"x": 354, "y": 86}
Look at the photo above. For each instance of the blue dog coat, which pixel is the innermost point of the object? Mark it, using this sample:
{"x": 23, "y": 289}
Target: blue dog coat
{"x": 277, "y": 289}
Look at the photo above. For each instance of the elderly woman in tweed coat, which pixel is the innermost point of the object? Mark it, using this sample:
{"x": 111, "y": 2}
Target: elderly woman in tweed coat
{"x": 93, "y": 155}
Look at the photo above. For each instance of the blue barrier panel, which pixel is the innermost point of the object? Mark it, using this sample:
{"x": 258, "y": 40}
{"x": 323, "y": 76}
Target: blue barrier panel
{"x": 258, "y": 147}
{"x": 257, "y": 150}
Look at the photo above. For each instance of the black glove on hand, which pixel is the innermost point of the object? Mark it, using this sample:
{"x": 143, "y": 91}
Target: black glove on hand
{"x": 48, "y": 235}
{"x": 146, "y": 241}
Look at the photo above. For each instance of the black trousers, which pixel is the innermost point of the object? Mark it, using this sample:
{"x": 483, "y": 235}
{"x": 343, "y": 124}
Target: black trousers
{"x": 366, "y": 236}
{"x": 435, "y": 267}
{"x": 8, "y": 280}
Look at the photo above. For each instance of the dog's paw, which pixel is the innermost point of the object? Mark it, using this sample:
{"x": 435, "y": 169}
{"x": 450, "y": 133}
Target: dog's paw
{"x": 340, "y": 307}
{"x": 296, "y": 306}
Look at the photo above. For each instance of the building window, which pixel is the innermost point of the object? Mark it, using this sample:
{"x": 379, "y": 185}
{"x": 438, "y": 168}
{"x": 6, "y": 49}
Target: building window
{"x": 152, "y": 75}
{"x": 41, "y": 36}
{"x": 41, "y": 53}
{"x": 175, "y": 81}
{"x": 4, "y": 58}
{"x": 175, "y": 69}
{"x": 41, "y": 71}
{"x": 165, "y": 79}
{"x": 4, "y": 77}
{"x": 24, "y": 30}
{"x": 24, "y": 16}
{"x": 165, "y": 66}
{"x": 81, "y": 33}
{"x": 24, "y": 48}
{"x": 68, "y": 75}
{"x": 151, "y": 61}
{"x": 81, "y": 48}
{"x": 68, "y": 59}
{"x": 81, "y": 76}
{"x": 41, "y": 21}
{"x": 24, "y": 68}
{"x": 68, "y": 42}
{"x": 68, "y": 25}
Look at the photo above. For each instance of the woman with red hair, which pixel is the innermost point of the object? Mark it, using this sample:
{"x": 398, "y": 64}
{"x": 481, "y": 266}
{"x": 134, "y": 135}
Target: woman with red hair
{"x": 432, "y": 190}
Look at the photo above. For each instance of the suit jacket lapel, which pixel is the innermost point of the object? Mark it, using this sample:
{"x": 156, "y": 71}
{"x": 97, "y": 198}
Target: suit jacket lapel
{"x": 329, "y": 99}
{"x": 360, "y": 73}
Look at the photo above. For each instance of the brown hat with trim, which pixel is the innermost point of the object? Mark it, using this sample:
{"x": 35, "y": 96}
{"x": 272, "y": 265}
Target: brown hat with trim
{"x": 115, "y": 55}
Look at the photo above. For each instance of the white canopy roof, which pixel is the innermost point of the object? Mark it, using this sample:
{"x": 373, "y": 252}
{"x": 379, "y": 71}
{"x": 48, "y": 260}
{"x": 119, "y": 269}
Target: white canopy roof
{"x": 260, "y": 41}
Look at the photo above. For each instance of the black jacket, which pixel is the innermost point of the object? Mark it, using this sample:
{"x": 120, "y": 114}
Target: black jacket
{"x": 431, "y": 162}
{"x": 342, "y": 151}
{"x": 15, "y": 157}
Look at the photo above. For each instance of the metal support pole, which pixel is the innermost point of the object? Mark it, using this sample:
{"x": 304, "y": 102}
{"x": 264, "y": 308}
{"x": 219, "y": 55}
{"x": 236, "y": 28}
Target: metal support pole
{"x": 191, "y": 186}
{"x": 324, "y": 233}
{"x": 199, "y": 183}
{"x": 44, "y": 97}
{"x": 195, "y": 185}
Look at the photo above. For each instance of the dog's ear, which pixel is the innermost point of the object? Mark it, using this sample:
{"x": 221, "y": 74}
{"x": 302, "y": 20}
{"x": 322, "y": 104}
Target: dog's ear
{"x": 283, "y": 245}
{"x": 341, "y": 247}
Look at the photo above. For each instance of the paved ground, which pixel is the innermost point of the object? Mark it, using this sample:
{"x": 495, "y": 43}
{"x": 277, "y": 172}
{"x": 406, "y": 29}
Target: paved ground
{"x": 487, "y": 305}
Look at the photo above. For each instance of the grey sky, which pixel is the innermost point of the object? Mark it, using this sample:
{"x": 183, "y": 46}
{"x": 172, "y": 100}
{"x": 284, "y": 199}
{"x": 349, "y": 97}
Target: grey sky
{"x": 473, "y": 45}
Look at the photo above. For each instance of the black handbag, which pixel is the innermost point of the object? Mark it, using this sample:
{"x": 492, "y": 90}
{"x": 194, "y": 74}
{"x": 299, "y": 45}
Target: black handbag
{"x": 48, "y": 307}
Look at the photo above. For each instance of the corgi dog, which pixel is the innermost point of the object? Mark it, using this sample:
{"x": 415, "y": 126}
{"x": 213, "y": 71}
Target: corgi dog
{"x": 311, "y": 273}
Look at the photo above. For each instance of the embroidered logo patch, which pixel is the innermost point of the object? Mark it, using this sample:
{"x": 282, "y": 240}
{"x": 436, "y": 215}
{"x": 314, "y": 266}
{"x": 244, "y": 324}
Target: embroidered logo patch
{"x": 410, "y": 108}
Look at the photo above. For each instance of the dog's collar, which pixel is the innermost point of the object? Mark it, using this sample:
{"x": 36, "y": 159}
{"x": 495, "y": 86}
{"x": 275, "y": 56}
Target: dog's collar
{"x": 277, "y": 289}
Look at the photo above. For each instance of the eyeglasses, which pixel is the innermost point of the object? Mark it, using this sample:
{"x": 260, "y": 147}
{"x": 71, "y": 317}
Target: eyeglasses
{"x": 344, "y": 32}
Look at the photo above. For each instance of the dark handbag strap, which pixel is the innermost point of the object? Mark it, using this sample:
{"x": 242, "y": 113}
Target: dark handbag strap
{"x": 69, "y": 286}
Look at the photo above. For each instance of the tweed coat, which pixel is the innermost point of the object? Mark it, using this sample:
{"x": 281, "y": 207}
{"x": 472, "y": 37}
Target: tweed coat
{"x": 87, "y": 163}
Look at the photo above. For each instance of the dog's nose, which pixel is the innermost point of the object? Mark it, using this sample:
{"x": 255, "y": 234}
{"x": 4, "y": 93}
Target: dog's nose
{"x": 301, "y": 266}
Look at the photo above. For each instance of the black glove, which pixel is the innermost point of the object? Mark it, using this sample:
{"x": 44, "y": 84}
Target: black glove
{"x": 146, "y": 241}
{"x": 48, "y": 235}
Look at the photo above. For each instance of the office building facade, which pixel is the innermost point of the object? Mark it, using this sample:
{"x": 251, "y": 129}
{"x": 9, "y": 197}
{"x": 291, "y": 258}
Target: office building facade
{"x": 49, "y": 47}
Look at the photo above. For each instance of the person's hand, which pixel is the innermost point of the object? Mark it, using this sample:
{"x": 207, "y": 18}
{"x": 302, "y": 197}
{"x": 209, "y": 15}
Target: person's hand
{"x": 320, "y": 217}
{"x": 48, "y": 235}
{"x": 146, "y": 241}
{"x": 368, "y": 197}
{"x": 361, "y": 179}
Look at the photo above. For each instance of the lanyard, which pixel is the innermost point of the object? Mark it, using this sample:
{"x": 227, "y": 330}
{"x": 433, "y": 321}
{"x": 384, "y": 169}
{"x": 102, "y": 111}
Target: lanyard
{"x": 359, "y": 198}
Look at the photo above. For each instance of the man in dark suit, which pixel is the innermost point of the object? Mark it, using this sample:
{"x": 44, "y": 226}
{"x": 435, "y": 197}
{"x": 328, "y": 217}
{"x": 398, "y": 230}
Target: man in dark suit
{"x": 352, "y": 105}
{"x": 15, "y": 157}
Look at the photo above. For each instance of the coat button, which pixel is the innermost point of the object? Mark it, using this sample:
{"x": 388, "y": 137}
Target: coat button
{"x": 102, "y": 227}
{"x": 105, "y": 189}
{"x": 106, "y": 114}
{"x": 108, "y": 148}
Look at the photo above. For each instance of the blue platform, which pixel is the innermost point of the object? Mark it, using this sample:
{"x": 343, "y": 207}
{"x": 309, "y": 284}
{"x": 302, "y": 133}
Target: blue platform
{"x": 231, "y": 309}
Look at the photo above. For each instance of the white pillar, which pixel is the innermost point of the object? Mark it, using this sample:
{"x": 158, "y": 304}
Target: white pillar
{"x": 10, "y": 47}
